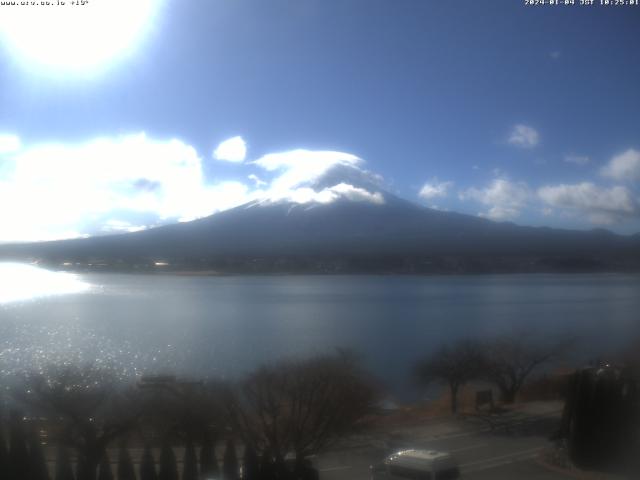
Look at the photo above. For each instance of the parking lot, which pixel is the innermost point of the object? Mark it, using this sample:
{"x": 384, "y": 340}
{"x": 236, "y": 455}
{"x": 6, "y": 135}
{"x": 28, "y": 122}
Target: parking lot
{"x": 504, "y": 446}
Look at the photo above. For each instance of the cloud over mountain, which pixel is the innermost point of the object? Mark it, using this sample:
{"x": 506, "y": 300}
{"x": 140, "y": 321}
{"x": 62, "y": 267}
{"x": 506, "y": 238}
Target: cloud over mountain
{"x": 505, "y": 198}
{"x": 435, "y": 189}
{"x": 602, "y": 205}
{"x": 130, "y": 182}
{"x": 133, "y": 181}
{"x": 53, "y": 191}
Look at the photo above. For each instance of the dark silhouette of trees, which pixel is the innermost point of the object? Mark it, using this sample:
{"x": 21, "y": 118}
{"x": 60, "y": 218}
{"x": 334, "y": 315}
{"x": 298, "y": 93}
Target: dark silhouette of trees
{"x": 452, "y": 365}
{"x": 91, "y": 407}
{"x": 18, "y": 453}
{"x": 305, "y": 471}
{"x": 631, "y": 358}
{"x": 267, "y": 468}
{"x": 250, "y": 464}
{"x": 148, "y": 465}
{"x": 301, "y": 406}
{"x": 4, "y": 454}
{"x": 63, "y": 464}
{"x": 37, "y": 462}
{"x": 294, "y": 406}
{"x": 230, "y": 468}
{"x": 104, "y": 469}
{"x": 125, "y": 465}
{"x": 208, "y": 461}
{"x": 189, "y": 410}
{"x": 190, "y": 463}
{"x": 510, "y": 359}
{"x": 168, "y": 468}
{"x": 257, "y": 406}
{"x": 507, "y": 361}
{"x": 326, "y": 398}
{"x": 601, "y": 419}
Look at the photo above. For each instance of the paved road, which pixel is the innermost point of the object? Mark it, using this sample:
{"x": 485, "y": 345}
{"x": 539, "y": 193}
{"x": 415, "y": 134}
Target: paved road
{"x": 508, "y": 452}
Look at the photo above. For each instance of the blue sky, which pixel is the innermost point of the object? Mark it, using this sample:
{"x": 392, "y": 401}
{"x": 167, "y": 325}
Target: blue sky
{"x": 492, "y": 108}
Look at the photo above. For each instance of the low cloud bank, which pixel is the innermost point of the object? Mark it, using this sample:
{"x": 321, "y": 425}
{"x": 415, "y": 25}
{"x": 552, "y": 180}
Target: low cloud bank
{"x": 132, "y": 182}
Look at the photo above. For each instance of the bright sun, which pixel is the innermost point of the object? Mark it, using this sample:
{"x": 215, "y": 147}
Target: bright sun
{"x": 66, "y": 35}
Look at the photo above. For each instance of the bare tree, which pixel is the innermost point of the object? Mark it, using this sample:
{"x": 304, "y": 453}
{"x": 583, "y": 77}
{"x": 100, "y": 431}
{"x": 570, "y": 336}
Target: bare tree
{"x": 190, "y": 410}
{"x": 451, "y": 365}
{"x": 86, "y": 408}
{"x": 257, "y": 409}
{"x": 302, "y": 406}
{"x": 327, "y": 398}
{"x": 510, "y": 359}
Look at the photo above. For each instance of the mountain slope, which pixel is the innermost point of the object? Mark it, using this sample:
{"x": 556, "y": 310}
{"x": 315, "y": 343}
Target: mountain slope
{"x": 347, "y": 232}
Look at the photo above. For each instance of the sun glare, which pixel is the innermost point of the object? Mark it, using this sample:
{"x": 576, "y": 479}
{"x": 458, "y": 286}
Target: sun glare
{"x": 81, "y": 36}
{"x": 25, "y": 282}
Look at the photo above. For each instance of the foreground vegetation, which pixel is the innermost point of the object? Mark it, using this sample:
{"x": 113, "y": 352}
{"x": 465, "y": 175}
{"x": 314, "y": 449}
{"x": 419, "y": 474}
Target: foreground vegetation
{"x": 88, "y": 423}
{"x": 269, "y": 423}
{"x": 506, "y": 361}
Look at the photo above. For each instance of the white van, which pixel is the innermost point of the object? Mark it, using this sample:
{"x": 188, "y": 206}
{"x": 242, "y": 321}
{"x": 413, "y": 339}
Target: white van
{"x": 417, "y": 465}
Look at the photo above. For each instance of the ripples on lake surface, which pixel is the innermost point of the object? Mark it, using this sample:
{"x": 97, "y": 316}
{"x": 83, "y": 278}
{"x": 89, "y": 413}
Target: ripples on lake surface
{"x": 227, "y": 325}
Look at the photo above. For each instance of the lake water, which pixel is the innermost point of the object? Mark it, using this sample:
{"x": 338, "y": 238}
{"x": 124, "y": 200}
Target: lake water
{"x": 227, "y": 325}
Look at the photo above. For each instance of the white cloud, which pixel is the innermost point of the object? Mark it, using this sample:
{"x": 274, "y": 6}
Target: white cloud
{"x": 601, "y": 205}
{"x": 305, "y": 195}
{"x": 231, "y": 150}
{"x": 625, "y": 166}
{"x": 580, "y": 160}
{"x": 131, "y": 182}
{"x": 302, "y": 166}
{"x": 434, "y": 189}
{"x": 218, "y": 197}
{"x": 356, "y": 194}
{"x": 59, "y": 191}
{"x": 524, "y": 136}
{"x": 257, "y": 180}
{"x": 500, "y": 213}
{"x": 120, "y": 226}
{"x": 439, "y": 208}
{"x": 505, "y": 199}
{"x": 9, "y": 143}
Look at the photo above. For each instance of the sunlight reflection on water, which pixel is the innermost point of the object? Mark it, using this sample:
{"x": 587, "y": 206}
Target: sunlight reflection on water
{"x": 20, "y": 282}
{"x": 39, "y": 328}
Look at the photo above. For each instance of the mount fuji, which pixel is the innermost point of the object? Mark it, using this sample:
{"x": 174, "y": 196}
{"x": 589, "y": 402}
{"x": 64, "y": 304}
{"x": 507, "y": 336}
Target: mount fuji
{"x": 343, "y": 222}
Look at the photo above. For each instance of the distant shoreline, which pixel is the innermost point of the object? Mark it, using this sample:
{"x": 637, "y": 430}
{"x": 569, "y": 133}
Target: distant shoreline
{"x": 276, "y": 273}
